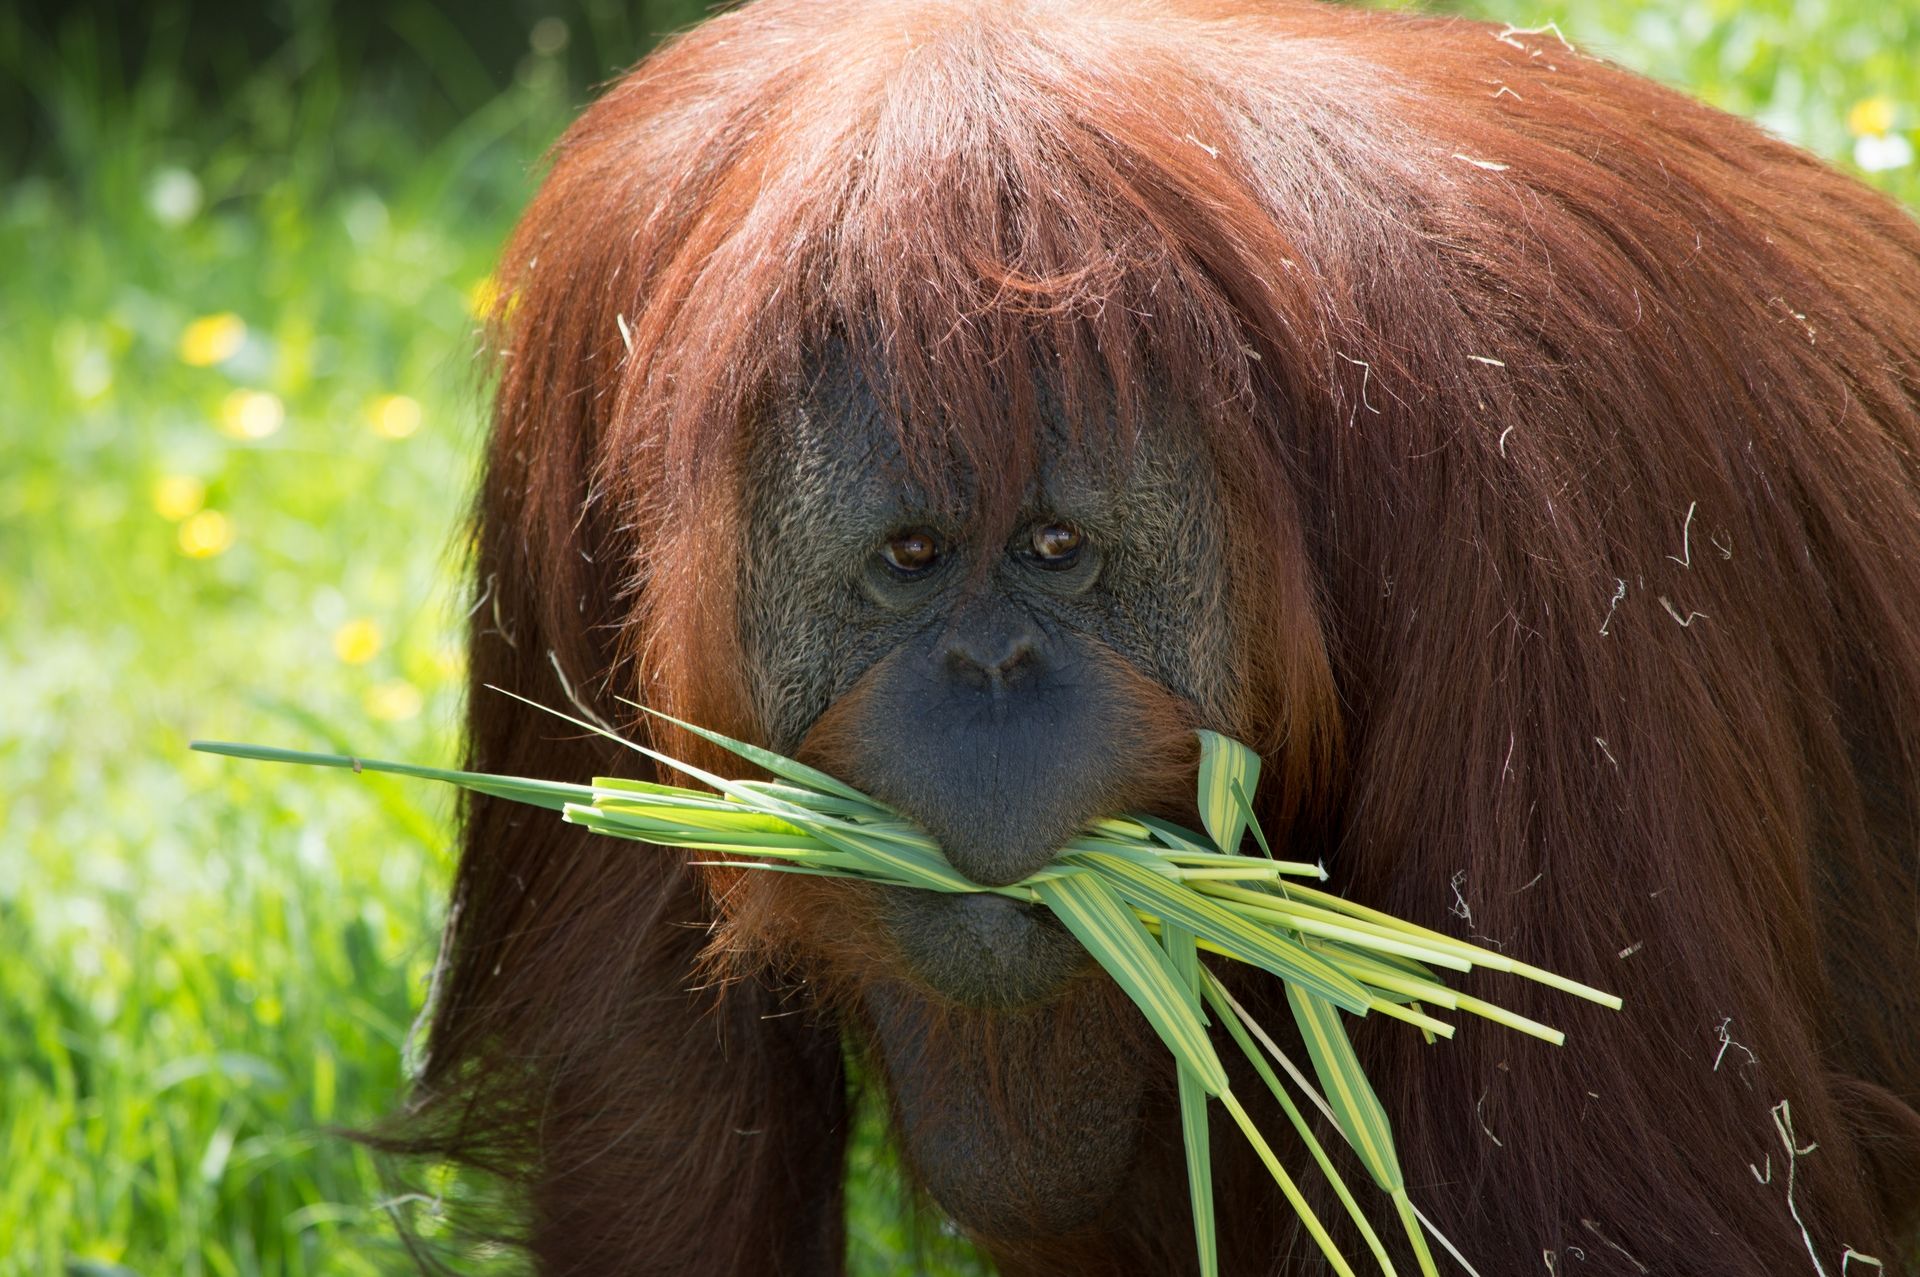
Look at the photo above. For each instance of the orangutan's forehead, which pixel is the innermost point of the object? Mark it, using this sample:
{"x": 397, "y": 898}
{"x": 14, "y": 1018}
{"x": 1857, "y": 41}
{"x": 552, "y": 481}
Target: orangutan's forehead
{"x": 844, "y": 437}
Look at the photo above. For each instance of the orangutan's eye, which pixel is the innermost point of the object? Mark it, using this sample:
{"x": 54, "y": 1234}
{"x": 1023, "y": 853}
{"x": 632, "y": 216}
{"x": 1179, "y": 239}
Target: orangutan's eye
{"x": 1055, "y": 545}
{"x": 912, "y": 552}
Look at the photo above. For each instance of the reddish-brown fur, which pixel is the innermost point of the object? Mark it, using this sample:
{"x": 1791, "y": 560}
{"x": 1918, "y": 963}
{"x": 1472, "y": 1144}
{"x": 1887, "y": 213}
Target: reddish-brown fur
{"x": 1569, "y": 431}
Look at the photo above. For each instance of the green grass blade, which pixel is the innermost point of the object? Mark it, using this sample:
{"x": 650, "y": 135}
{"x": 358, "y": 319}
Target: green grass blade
{"x": 1285, "y": 911}
{"x": 1394, "y": 981}
{"x": 1553, "y": 980}
{"x": 1392, "y": 962}
{"x": 1120, "y": 827}
{"x": 1412, "y": 1013}
{"x": 699, "y": 814}
{"x": 1416, "y": 1235}
{"x": 1176, "y": 837}
{"x": 1252, "y": 871}
{"x": 1510, "y": 1019}
{"x": 892, "y": 830}
{"x": 1409, "y": 1215}
{"x": 1185, "y": 957}
{"x": 906, "y": 865}
{"x": 1242, "y": 939}
{"x": 1121, "y": 945}
{"x": 627, "y": 785}
{"x": 778, "y": 764}
{"x": 1470, "y": 952}
{"x": 1214, "y": 995}
{"x": 1245, "y": 805}
{"x": 813, "y": 800}
{"x": 551, "y": 794}
{"x": 1144, "y": 855}
{"x": 1301, "y": 1206}
{"x": 1225, "y": 763}
{"x": 670, "y": 834}
{"x": 1356, "y": 1109}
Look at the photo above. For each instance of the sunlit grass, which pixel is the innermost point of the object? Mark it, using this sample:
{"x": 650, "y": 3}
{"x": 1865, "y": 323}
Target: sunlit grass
{"x": 207, "y": 966}
{"x": 240, "y": 410}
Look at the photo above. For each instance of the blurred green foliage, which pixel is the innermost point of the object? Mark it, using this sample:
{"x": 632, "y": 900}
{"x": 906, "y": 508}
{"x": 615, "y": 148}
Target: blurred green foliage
{"x": 241, "y": 404}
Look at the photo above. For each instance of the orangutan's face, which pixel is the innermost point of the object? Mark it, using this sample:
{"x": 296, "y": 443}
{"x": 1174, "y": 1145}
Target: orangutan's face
{"x": 999, "y": 680}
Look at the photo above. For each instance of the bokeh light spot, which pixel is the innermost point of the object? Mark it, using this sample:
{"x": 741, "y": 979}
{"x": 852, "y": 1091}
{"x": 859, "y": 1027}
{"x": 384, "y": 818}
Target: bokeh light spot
{"x": 357, "y": 642}
{"x": 1871, "y": 117}
{"x": 173, "y": 196}
{"x": 177, "y": 496}
{"x": 394, "y": 416}
{"x": 205, "y": 535}
{"x": 1882, "y": 152}
{"x": 251, "y": 414}
{"x": 212, "y": 339}
{"x": 395, "y": 701}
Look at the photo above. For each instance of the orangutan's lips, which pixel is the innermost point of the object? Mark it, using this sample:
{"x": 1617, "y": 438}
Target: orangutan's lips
{"x": 982, "y": 950}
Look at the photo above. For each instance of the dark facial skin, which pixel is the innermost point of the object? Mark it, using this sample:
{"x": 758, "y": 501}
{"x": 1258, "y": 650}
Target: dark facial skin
{"x": 985, "y": 674}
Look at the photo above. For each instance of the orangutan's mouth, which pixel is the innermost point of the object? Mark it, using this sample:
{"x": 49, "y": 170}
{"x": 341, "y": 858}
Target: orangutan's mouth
{"x": 983, "y": 950}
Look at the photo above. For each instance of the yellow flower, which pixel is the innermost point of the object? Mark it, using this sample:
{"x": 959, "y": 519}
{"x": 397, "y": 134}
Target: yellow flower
{"x": 482, "y": 296}
{"x": 206, "y": 534}
{"x": 212, "y": 339}
{"x": 1871, "y": 117}
{"x": 175, "y": 496}
{"x": 487, "y": 303}
{"x": 251, "y": 414}
{"x": 394, "y": 416}
{"x": 395, "y": 701}
{"x": 357, "y": 642}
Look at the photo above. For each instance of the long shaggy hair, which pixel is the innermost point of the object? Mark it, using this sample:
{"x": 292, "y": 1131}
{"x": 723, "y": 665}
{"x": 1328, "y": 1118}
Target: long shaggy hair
{"x": 1568, "y": 430}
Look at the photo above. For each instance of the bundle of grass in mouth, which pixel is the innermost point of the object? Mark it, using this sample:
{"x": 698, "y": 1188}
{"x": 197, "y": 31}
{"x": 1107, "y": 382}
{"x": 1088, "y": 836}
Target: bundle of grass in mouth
{"x": 1144, "y": 895}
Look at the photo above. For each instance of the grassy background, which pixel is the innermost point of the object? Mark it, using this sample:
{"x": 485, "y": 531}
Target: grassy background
{"x": 238, "y": 416}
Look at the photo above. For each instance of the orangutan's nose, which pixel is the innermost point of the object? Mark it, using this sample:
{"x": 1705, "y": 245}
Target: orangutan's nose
{"x": 992, "y": 654}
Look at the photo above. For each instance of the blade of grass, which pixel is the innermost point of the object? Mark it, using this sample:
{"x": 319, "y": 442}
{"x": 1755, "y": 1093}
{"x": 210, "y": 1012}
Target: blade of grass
{"x": 1120, "y": 944}
{"x": 1121, "y": 827}
{"x": 1474, "y": 953}
{"x": 812, "y": 800}
{"x": 1307, "y": 1088}
{"x": 1225, "y": 764}
{"x": 1511, "y": 1019}
{"x": 1301, "y": 1206}
{"x": 913, "y": 868}
{"x": 1212, "y": 991}
{"x": 1369, "y": 970}
{"x": 1412, "y": 1014}
{"x": 1357, "y": 1110}
{"x": 1416, "y": 1236}
{"x": 551, "y": 794}
{"x": 745, "y": 844}
{"x": 1242, "y": 939}
{"x": 1177, "y": 837}
{"x": 1312, "y": 920}
{"x": 1183, "y": 953}
{"x": 779, "y": 765}
{"x": 627, "y": 785}
{"x": 721, "y": 817}
{"x": 1245, "y": 805}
